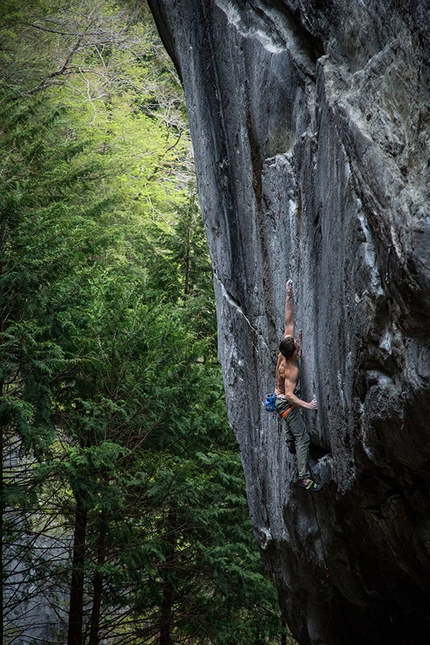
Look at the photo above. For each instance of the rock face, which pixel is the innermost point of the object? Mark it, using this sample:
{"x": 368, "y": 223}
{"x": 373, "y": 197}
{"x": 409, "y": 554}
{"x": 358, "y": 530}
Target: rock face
{"x": 311, "y": 127}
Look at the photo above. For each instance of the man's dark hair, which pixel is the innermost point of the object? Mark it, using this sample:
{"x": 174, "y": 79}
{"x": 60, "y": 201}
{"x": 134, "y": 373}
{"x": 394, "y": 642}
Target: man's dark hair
{"x": 287, "y": 346}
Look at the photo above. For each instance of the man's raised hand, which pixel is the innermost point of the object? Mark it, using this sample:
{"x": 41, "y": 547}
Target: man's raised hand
{"x": 289, "y": 287}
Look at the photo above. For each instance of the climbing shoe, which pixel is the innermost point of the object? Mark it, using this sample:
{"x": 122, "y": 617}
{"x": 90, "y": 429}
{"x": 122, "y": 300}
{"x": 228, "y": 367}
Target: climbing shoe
{"x": 311, "y": 485}
{"x": 291, "y": 447}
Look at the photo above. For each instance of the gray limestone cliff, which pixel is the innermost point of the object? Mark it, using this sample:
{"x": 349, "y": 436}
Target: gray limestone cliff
{"x": 311, "y": 128}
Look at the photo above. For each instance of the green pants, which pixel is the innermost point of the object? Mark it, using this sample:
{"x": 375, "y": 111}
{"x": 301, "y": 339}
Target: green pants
{"x": 296, "y": 431}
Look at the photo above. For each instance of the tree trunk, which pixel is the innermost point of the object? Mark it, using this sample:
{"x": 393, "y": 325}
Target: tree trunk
{"x": 166, "y": 613}
{"x": 2, "y": 509}
{"x": 167, "y": 587}
{"x": 74, "y": 636}
{"x": 98, "y": 584}
{"x": 2, "y": 501}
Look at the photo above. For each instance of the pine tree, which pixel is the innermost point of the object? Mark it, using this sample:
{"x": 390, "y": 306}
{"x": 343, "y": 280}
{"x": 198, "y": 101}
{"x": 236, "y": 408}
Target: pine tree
{"x": 117, "y": 455}
{"x": 40, "y": 185}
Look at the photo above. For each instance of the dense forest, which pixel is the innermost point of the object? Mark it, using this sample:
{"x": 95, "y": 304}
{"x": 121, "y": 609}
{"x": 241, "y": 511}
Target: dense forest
{"x": 123, "y": 514}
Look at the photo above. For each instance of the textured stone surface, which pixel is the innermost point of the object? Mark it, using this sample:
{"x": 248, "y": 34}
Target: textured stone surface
{"x": 311, "y": 129}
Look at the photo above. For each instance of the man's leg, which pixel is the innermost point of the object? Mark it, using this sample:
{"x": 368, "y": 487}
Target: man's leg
{"x": 281, "y": 405}
{"x": 297, "y": 429}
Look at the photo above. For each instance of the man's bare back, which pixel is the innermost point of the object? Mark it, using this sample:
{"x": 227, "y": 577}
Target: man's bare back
{"x": 286, "y": 370}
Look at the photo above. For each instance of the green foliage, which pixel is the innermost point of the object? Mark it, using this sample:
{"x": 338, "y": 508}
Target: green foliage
{"x": 111, "y": 399}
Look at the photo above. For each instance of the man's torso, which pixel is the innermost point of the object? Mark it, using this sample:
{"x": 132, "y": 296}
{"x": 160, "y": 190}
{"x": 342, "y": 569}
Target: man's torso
{"x": 286, "y": 369}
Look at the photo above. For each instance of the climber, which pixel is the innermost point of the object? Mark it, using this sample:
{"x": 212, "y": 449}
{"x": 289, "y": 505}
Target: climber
{"x": 287, "y": 399}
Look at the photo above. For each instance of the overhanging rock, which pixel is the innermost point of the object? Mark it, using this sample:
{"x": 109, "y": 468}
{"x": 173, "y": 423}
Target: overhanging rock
{"x": 311, "y": 131}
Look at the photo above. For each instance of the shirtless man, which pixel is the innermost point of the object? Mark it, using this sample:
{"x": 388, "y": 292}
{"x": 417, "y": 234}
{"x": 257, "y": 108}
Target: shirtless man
{"x": 287, "y": 401}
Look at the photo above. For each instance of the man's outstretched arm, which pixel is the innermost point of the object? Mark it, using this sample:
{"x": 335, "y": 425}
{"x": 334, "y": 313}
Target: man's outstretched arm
{"x": 294, "y": 400}
{"x": 289, "y": 319}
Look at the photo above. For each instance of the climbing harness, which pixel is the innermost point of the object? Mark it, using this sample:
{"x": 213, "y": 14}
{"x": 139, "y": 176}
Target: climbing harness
{"x": 270, "y": 404}
{"x": 287, "y": 411}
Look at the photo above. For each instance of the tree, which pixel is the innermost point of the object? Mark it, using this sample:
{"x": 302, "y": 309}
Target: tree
{"x": 111, "y": 396}
{"x": 33, "y": 257}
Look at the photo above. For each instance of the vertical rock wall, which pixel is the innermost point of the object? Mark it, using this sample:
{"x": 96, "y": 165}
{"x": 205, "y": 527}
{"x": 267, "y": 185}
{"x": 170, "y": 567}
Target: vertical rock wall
{"x": 311, "y": 128}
